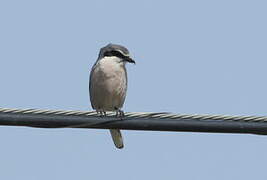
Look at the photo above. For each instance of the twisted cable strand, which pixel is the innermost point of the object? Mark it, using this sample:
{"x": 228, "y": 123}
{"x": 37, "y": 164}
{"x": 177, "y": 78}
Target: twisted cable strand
{"x": 149, "y": 115}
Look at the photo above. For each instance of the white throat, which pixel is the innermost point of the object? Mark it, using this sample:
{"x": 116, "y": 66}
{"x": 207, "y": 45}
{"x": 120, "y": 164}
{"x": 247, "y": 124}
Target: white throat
{"x": 112, "y": 60}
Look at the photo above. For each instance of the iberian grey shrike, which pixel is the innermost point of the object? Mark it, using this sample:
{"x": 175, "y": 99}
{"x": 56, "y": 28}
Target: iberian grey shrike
{"x": 108, "y": 84}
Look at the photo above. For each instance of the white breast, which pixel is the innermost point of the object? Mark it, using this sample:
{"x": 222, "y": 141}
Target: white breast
{"x": 108, "y": 84}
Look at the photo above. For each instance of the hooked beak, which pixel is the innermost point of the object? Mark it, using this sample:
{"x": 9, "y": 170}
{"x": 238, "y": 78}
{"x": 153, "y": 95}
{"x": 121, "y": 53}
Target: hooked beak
{"x": 129, "y": 60}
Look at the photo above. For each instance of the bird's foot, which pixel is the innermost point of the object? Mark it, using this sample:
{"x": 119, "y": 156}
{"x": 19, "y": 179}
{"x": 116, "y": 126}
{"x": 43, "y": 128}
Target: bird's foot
{"x": 120, "y": 113}
{"x": 102, "y": 113}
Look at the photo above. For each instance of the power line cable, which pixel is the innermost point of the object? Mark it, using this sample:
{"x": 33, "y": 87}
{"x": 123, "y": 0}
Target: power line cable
{"x": 134, "y": 121}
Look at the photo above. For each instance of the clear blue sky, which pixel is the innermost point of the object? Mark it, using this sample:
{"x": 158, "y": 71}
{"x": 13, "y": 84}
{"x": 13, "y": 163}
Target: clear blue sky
{"x": 195, "y": 57}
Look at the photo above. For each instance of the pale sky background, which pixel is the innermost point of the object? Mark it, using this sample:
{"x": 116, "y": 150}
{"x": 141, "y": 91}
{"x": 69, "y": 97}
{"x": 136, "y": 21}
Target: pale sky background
{"x": 195, "y": 57}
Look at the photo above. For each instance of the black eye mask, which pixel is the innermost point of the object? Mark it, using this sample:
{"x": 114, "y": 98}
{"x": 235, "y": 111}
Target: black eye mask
{"x": 115, "y": 53}
{"x": 119, "y": 55}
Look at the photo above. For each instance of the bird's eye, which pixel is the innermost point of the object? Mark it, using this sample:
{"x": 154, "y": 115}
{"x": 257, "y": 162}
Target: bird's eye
{"x": 114, "y": 53}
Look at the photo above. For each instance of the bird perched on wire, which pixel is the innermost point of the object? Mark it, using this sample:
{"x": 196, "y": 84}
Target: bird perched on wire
{"x": 108, "y": 84}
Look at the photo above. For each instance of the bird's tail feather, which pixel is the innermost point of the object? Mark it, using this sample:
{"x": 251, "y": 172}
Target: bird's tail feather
{"x": 117, "y": 138}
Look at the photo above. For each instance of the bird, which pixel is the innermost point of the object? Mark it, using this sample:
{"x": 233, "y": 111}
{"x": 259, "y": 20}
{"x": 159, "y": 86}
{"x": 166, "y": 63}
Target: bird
{"x": 108, "y": 84}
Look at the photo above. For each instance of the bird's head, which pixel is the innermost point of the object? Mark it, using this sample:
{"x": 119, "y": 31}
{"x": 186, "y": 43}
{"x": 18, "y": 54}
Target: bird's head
{"x": 116, "y": 51}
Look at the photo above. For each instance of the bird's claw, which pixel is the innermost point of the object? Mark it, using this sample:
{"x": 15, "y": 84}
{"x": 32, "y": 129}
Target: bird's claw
{"x": 102, "y": 113}
{"x": 120, "y": 113}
